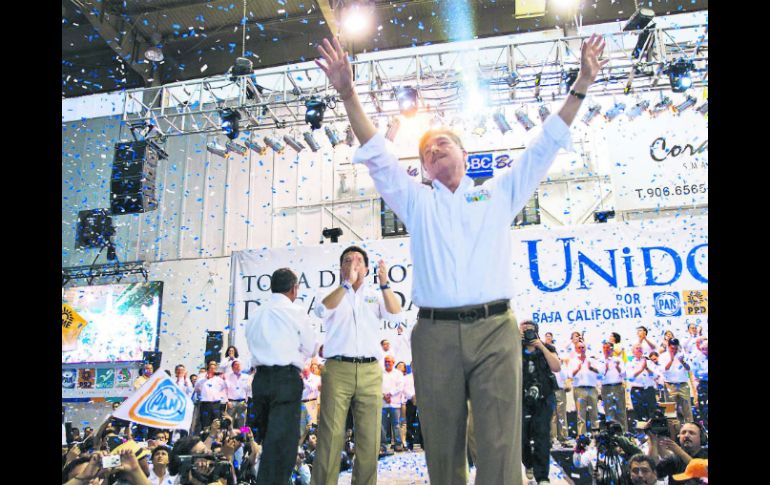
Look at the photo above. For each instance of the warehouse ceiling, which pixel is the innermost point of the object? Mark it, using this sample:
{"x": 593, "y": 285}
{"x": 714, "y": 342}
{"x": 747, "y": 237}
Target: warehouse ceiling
{"x": 104, "y": 41}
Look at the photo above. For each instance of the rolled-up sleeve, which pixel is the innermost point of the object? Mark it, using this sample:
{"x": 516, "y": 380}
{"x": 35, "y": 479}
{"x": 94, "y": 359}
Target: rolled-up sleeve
{"x": 392, "y": 182}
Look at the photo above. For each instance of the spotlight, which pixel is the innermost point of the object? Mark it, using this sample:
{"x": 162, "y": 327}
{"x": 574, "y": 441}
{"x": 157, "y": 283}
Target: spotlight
{"x": 615, "y": 111}
{"x": 350, "y": 137}
{"x": 357, "y": 19}
{"x": 570, "y": 76}
{"x": 297, "y": 146}
{"x": 393, "y": 127}
{"x": 312, "y": 143}
{"x": 232, "y": 146}
{"x": 501, "y": 122}
{"x": 639, "y": 19}
{"x": 334, "y": 234}
{"x": 638, "y": 109}
{"x": 513, "y": 79}
{"x": 255, "y": 146}
{"x": 602, "y": 216}
{"x": 154, "y": 52}
{"x": 543, "y": 112}
{"x": 686, "y": 104}
{"x": 331, "y": 133}
{"x": 216, "y": 149}
{"x": 521, "y": 117}
{"x": 662, "y": 106}
{"x": 242, "y": 67}
{"x": 407, "y": 100}
{"x": 276, "y": 145}
{"x": 703, "y": 109}
{"x": 679, "y": 75}
{"x": 591, "y": 113}
{"x": 315, "y": 112}
{"x": 481, "y": 126}
{"x": 230, "y": 120}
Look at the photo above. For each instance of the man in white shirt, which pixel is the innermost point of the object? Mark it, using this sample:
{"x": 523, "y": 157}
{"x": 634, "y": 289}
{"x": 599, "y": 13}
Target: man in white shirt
{"x": 238, "y": 387}
{"x": 159, "y": 474}
{"x": 611, "y": 375}
{"x": 644, "y": 341}
{"x": 559, "y": 419}
{"x": 311, "y": 390}
{"x": 585, "y": 376}
{"x": 392, "y": 396}
{"x": 352, "y": 376}
{"x": 461, "y": 250}
{"x": 386, "y": 350}
{"x": 280, "y": 337}
{"x": 674, "y": 368}
{"x": 402, "y": 344}
{"x": 694, "y": 331}
{"x": 641, "y": 379}
{"x": 181, "y": 380}
{"x": 212, "y": 393}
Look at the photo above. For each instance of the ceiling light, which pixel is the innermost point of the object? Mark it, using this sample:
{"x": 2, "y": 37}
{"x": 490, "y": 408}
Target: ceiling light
{"x": 543, "y": 112}
{"x": 242, "y": 67}
{"x": 679, "y": 74}
{"x": 349, "y": 136}
{"x": 602, "y": 216}
{"x": 297, "y": 146}
{"x": 235, "y": 147}
{"x": 333, "y": 233}
{"x": 256, "y": 146}
{"x": 230, "y": 120}
{"x": 216, "y": 149}
{"x": 393, "y": 127}
{"x": 332, "y": 135}
{"x": 523, "y": 118}
{"x": 591, "y": 113}
{"x": 153, "y": 54}
{"x": 638, "y": 109}
{"x": 357, "y": 19}
{"x": 276, "y": 145}
{"x": 570, "y": 76}
{"x": 315, "y": 112}
{"x": 407, "y": 101}
{"x": 685, "y": 105}
{"x": 311, "y": 141}
{"x": 501, "y": 122}
{"x": 613, "y": 112}
{"x": 639, "y": 19}
{"x": 703, "y": 109}
{"x": 662, "y": 106}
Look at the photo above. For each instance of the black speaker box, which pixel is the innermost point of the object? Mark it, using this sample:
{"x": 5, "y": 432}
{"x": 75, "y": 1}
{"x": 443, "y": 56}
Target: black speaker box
{"x": 132, "y": 184}
{"x": 213, "y": 347}
{"x": 94, "y": 228}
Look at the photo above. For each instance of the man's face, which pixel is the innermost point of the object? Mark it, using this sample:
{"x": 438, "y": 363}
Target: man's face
{"x": 693, "y": 330}
{"x": 673, "y": 349}
{"x": 607, "y": 348}
{"x": 148, "y": 370}
{"x": 642, "y": 474}
{"x": 689, "y": 438}
{"x": 402, "y": 367}
{"x": 237, "y": 367}
{"x": 193, "y": 378}
{"x": 212, "y": 368}
{"x": 160, "y": 458}
{"x": 441, "y": 157}
{"x": 180, "y": 371}
{"x": 580, "y": 348}
{"x": 704, "y": 348}
{"x": 315, "y": 369}
{"x": 637, "y": 352}
{"x": 654, "y": 358}
{"x": 641, "y": 333}
{"x": 385, "y": 345}
{"x": 354, "y": 261}
{"x": 575, "y": 337}
{"x": 389, "y": 364}
{"x": 549, "y": 338}
{"x": 526, "y": 326}
{"x": 311, "y": 441}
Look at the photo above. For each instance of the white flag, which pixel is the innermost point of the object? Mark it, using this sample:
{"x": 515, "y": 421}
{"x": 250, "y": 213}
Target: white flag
{"x": 159, "y": 403}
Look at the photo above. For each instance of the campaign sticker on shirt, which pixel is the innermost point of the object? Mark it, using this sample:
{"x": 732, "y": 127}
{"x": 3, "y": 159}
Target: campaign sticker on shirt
{"x": 478, "y": 196}
{"x": 370, "y": 299}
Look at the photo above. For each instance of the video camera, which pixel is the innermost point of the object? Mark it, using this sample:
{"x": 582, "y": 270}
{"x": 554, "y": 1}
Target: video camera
{"x": 220, "y": 468}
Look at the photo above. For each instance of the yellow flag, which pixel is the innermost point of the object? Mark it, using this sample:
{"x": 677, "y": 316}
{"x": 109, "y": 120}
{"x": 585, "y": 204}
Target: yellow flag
{"x": 71, "y": 326}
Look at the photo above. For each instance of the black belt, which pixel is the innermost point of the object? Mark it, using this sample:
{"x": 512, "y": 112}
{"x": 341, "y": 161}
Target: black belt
{"x": 467, "y": 314}
{"x": 308, "y": 400}
{"x": 237, "y": 400}
{"x": 354, "y": 360}
{"x": 586, "y": 387}
{"x": 610, "y": 385}
{"x": 277, "y": 367}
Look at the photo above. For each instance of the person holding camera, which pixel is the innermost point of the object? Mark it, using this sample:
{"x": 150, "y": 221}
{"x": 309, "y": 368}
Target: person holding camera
{"x": 195, "y": 464}
{"x": 673, "y": 456}
{"x": 607, "y": 453}
{"x": 539, "y": 362}
{"x": 585, "y": 377}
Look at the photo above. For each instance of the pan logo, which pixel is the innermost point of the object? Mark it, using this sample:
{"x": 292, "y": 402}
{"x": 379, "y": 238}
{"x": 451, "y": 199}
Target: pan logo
{"x": 667, "y": 304}
{"x": 167, "y": 402}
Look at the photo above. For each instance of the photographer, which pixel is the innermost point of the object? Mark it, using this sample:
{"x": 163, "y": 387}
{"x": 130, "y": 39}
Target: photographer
{"x": 641, "y": 470}
{"x": 193, "y": 461}
{"x": 91, "y": 470}
{"x": 539, "y": 362}
{"x": 673, "y": 456}
{"x": 606, "y": 453}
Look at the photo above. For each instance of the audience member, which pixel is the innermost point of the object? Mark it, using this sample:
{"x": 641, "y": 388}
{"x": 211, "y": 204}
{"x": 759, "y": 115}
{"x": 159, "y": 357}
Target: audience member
{"x": 641, "y": 470}
{"x": 392, "y": 390}
{"x": 673, "y": 456}
{"x": 611, "y": 376}
{"x": 238, "y": 390}
{"x": 212, "y": 393}
{"x": 585, "y": 377}
{"x": 147, "y": 371}
{"x": 641, "y": 380}
{"x": 644, "y": 342}
{"x": 674, "y": 369}
{"x": 559, "y": 427}
{"x": 159, "y": 470}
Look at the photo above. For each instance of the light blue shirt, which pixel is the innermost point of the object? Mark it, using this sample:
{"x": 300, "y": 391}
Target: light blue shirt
{"x": 461, "y": 242}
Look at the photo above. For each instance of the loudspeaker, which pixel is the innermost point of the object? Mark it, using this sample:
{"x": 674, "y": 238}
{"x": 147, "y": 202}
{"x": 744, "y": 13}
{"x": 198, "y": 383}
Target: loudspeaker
{"x": 94, "y": 228}
{"x": 132, "y": 185}
{"x": 213, "y": 347}
{"x": 153, "y": 358}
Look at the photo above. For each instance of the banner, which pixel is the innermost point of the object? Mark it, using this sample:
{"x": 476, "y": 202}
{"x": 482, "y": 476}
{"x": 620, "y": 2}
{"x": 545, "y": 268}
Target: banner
{"x": 658, "y": 162}
{"x": 159, "y": 403}
{"x": 595, "y": 278}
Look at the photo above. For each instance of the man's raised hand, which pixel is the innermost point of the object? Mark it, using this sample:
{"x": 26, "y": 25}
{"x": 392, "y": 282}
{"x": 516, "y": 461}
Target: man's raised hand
{"x": 336, "y": 67}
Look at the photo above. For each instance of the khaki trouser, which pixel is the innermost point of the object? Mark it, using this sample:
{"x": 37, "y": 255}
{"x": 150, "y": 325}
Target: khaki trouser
{"x": 587, "y": 408}
{"x": 346, "y": 385}
{"x": 680, "y": 394}
{"x": 478, "y": 361}
{"x": 614, "y": 399}
{"x": 559, "y": 418}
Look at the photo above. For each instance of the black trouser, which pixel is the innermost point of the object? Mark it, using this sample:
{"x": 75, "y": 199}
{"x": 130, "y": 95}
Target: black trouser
{"x": 703, "y": 402}
{"x": 277, "y": 406}
{"x": 413, "y": 434}
{"x": 210, "y": 410}
{"x": 644, "y": 402}
{"x": 537, "y": 428}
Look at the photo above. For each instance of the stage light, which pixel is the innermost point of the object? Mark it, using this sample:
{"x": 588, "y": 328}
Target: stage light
{"x": 615, "y": 111}
{"x": 638, "y": 109}
{"x": 241, "y": 67}
{"x": 570, "y": 76}
{"x": 216, "y": 149}
{"x": 407, "y": 101}
{"x": 513, "y": 79}
{"x": 311, "y": 141}
{"x": 332, "y": 135}
{"x": 255, "y": 146}
{"x": 276, "y": 145}
{"x": 662, "y": 106}
{"x": 235, "y": 147}
{"x": 679, "y": 75}
{"x": 501, "y": 122}
{"x": 393, "y": 127}
{"x": 350, "y": 137}
{"x": 357, "y": 19}
{"x": 703, "y": 109}
{"x": 229, "y": 122}
{"x": 543, "y": 112}
{"x": 685, "y": 105}
{"x": 297, "y": 146}
{"x": 562, "y": 5}
{"x": 591, "y": 113}
{"x": 334, "y": 234}
{"x": 154, "y": 52}
{"x": 639, "y": 19}
{"x": 602, "y": 216}
{"x": 315, "y": 112}
{"x": 523, "y": 118}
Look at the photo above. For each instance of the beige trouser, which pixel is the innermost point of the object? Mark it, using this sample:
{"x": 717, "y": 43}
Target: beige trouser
{"x": 309, "y": 415}
{"x": 402, "y": 425}
{"x": 559, "y": 418}
{"x": 346, "y": 385}
{"x": 481, "y": 361}
{"x": 587, "y": 408}
{"x": 680, "y": 394}
{"x": 614, "y": 399}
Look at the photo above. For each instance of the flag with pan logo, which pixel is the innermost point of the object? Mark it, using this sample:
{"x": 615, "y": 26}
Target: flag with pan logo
{"x": 159, "y": 403}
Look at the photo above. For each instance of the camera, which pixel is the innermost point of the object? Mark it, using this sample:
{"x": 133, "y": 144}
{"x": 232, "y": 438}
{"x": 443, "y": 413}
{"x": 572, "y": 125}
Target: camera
{"x": 220, "y": 468}
{"x": 226, "y": 423}
{"x": 659, "y": 425}
{"x": 530, "y": 335}
{"x": 532, "y": 395}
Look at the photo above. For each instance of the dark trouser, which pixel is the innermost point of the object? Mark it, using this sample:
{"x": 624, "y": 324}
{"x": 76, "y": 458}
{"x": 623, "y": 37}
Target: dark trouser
{"x": 390, "y": 427}
{"x": 277, "y": 402}
{"x": 644, "y": 402}
{"x": 413, "y": 434}
{"x": 703, "y": 403}
{"x": 210, "y": 410}
{"x": 537, "y": 428}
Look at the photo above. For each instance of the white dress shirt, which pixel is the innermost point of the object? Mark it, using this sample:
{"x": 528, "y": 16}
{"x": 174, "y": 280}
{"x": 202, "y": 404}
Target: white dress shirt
{"x": 211, "y": 390}
{"x": 393, "y": 384}
{"x": 610, "y": 375}
{"x": 311, "y": 387}
{"x": 585, "y": 377}
{"x": 353, "y": 327}
{"x": 461, "y": 242}
{"x": 280, "y": 333}
{"x": 401, "y": 346}
{"x": 168, "y": 479}
{"x": 226, "y": 365}
{"x": 238, "y": 386}
{"x": 184, "y": 384}
{"x": 676, "y": 373}
{"x": 643, "y": 380}
{"x": 408, "y": 387}
{"x": 700, "y": 365}
{"x": 562, "y": 376}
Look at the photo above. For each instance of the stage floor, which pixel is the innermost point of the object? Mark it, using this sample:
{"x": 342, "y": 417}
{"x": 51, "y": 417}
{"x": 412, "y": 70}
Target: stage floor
{"x": 408, "y": 468}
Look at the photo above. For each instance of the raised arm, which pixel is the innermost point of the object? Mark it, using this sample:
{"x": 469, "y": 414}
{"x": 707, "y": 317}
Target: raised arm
{"x": 590, "y": 65}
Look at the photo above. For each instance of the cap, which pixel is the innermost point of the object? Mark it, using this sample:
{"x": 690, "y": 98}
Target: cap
{"x": 132, "y": 445}
{"x": 697, "y": 468}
